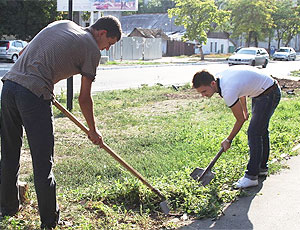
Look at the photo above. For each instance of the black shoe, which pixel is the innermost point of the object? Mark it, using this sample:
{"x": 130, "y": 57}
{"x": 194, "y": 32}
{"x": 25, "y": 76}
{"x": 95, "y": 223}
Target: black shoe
{"x": 45, "y": 227}
{"x": 11, "y": 213}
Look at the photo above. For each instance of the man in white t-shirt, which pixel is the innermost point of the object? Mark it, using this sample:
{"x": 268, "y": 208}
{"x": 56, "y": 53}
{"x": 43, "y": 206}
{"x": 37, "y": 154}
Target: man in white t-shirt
{"x": 234, "y": 85}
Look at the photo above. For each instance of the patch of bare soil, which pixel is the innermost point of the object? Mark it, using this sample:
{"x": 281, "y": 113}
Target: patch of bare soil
{"x": 288, "y": 86}
{"x": 186, "y": 94}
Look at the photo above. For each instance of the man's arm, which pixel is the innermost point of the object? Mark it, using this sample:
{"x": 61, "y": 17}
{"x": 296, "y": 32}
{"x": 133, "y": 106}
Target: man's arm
{"x": 86, "y": 105}
{"x": 243, "y": 101}
{"x": 240, "y": 119}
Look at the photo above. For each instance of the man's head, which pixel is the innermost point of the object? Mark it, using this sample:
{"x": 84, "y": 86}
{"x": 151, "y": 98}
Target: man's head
{"x": 205, "y": 83}
{"x": 106, "y": 31}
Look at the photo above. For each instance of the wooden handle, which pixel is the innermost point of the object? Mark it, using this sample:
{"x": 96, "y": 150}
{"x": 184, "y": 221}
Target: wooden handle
{"x": 108, "y": 149}
{"x": 212, "y": 163}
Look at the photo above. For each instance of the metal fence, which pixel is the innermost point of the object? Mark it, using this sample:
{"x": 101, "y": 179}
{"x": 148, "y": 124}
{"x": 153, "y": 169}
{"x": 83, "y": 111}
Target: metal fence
{"x": 135, "y": 48}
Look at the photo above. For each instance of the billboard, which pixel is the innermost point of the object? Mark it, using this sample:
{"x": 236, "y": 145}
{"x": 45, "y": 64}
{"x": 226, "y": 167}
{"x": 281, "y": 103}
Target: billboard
{"x": 98, "y": 5}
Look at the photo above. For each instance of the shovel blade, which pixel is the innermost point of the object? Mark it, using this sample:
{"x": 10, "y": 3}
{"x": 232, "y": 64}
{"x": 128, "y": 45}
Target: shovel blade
{"x": 196, "y": 173}
{"x": 164, "y": 207}
{"x": 204, "y": 179}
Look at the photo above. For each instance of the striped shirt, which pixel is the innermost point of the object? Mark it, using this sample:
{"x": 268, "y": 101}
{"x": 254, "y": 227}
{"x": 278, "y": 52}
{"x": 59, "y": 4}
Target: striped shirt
{"x": 60, "y": 50}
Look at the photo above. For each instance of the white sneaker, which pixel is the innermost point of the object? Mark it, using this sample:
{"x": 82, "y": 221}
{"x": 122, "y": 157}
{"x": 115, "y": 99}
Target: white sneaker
{"x": 244, "y": 182}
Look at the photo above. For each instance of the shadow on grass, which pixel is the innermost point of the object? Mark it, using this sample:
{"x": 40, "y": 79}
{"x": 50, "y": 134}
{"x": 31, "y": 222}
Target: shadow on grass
{"x": 235, "y": 215}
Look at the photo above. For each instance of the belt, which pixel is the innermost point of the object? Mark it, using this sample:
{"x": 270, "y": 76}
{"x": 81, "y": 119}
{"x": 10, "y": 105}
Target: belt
{"x": 270, "y": 89}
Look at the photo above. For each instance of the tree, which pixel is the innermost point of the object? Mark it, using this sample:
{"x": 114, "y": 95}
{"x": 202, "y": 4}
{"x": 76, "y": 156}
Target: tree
{"x": 153, "y": 6}
{"x": 24, "y": 18}
{"x": 159, "y": 6}
{"x": 252, "y": 17}
{"x": 286, "y": 20}
{"x": 198, "y": 17}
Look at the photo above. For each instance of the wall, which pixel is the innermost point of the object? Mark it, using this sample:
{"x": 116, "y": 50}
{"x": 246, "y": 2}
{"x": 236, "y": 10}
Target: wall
{"x": 216, "y": 45}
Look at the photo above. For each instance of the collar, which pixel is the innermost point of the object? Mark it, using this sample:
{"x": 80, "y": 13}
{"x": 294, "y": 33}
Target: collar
{"x": 218, "y": 87}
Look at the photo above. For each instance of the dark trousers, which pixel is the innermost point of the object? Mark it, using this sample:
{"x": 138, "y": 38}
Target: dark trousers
{"x": 263, "y": 108}
{"x": 21, "y": 108}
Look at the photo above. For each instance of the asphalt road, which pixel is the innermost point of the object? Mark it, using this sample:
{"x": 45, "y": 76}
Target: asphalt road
{"x": 124, "y": 77}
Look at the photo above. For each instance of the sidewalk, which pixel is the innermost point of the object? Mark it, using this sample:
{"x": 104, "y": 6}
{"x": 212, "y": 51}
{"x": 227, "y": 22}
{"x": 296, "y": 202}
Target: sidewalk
{"x": 273, "y": 205}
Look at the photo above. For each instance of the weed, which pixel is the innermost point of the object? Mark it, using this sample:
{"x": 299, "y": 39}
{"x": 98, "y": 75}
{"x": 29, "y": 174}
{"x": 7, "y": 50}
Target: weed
{"x": 164, "y": 134}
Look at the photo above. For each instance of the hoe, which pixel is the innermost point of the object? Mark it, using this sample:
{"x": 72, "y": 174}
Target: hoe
{"x": 163, "y": 204}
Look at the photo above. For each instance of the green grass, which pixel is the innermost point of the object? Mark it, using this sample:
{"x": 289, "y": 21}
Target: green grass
{"x": 295, "y": 73}
{"x": 164, "y": 134}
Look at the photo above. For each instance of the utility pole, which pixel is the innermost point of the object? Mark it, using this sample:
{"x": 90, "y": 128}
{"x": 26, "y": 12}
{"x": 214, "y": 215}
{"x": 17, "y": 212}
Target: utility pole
{"x": 70, "y": 80}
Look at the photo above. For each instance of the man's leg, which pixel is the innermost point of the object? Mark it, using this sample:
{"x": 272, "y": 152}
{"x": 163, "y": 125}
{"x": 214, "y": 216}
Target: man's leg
{"x": 258, "y": 127}
{"x": 11, "y": 142}
{"x": 276, "y": 96}
{"x": 258, "y": 135}
{"x": 37, "y": 118}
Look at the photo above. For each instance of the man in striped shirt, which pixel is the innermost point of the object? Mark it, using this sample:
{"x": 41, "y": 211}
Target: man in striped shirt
{"x": 60, "y": 50}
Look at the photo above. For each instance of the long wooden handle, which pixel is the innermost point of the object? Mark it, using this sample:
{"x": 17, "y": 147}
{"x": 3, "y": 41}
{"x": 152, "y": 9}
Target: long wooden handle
{"x": 108, "y": 149}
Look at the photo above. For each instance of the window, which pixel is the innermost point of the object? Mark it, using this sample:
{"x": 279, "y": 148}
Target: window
{"x": 216, "y": 47}
{"x": 211, "y": 47}
{"x": 19, "y": 44}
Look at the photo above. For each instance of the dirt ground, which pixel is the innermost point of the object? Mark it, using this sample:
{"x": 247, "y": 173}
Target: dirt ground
{"x": 288, "y": 86}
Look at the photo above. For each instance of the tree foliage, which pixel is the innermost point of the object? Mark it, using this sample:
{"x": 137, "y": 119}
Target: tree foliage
{"x": 153, "y": 6}
{"x": 198, "y": 17}
{"x": 159, "y": 6}
{"x": 286, "y": 20}
{"x": 252, "y": 18}
{"x": 24, "y": 18}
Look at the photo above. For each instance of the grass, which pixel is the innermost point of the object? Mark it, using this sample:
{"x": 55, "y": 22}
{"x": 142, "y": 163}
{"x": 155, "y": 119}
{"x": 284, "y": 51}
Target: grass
{"x": 164, "y": 134}
{"x": 295, "y": 73}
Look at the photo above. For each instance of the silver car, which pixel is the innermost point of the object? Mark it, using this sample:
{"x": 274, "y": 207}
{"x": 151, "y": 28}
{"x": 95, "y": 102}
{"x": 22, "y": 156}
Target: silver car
{"x": 285, "y": 53}
{"x": 10, "y": 49}
{"x": 250, "y": 56}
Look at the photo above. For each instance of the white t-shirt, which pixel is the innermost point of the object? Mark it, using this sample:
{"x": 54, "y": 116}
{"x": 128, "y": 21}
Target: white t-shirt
{"x": 239, "y": 81}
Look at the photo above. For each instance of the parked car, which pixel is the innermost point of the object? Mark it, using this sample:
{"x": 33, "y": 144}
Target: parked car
{"x": 10, "y": 49}
{"x": 250, "y": 56}
{"x": 285, "y": 53}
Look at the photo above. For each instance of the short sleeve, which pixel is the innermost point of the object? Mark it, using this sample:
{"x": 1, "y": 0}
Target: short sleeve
{"x": 90, "y": 64}
{"x": 231, "y": 97}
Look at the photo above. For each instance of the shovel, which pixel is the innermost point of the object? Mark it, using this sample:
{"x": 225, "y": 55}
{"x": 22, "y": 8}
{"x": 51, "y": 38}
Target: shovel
{"x": 204, "y": 176}
{"x": 163, "y": 204}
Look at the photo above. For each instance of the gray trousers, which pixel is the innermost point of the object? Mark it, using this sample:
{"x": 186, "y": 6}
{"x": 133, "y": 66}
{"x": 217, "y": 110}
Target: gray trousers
{"x": 21, "y": 108}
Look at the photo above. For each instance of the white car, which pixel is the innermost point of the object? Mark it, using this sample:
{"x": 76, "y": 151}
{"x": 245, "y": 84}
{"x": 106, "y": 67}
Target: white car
{"x": 250, "y": 56}
{"x": 285, "y": 53}
{"x": 10, "y": 49}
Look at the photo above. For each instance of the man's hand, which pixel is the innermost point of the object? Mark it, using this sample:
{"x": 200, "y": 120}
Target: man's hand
{"x": 226, "y": 144}
{"x": 96, "y": 137}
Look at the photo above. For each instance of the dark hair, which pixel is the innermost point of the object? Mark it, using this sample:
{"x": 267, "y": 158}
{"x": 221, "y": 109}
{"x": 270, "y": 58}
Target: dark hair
{"x": 202, "y": 78}
{"x": 111, "y": 24}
